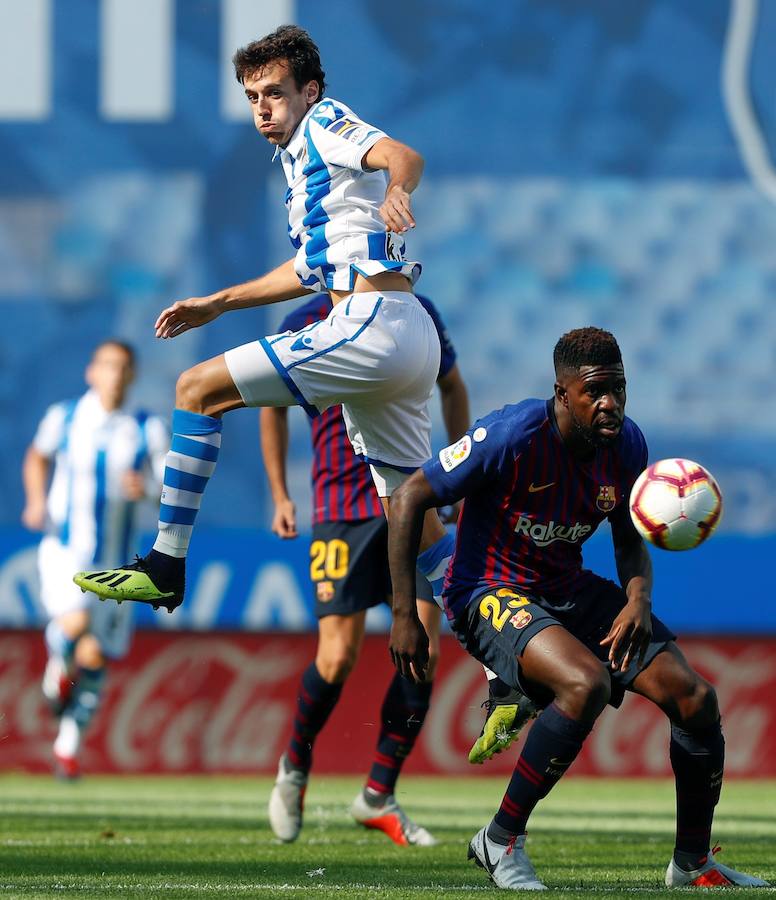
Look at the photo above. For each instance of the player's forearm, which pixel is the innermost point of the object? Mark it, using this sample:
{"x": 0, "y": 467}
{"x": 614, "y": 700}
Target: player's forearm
{"x": 405, "y": 169}
{"x": 405, "y": 526}
{"x": 274, "y": 450}
{"x": 281, "y": 283}
{"x": 634, "y": 569}
{"x": 403, "y": 164}
{"x": 35, "y": 472}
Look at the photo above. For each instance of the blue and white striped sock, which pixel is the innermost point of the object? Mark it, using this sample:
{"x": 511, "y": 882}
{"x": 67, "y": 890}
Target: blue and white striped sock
{"x": 433, "y": 562}
{"x": 191, "y": 461}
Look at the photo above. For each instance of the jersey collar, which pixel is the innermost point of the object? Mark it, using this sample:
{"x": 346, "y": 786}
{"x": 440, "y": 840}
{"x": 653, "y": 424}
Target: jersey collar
{"x": 295, "y": 146}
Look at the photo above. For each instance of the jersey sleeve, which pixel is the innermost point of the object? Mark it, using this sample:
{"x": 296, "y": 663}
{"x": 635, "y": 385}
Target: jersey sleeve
{"x": 50, "y": 432}
{"x": 635, "y": 458}
{"x": 478, "y": 458}
{"x": 340, "y": 137}
{"x": 449, "y": 356}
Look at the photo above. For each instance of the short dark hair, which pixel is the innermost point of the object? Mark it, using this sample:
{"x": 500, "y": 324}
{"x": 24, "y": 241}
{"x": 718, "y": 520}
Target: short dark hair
{"x": 290, "y": 43}
{"x": 585, "y": 347}
{"x": 116, "y": 342}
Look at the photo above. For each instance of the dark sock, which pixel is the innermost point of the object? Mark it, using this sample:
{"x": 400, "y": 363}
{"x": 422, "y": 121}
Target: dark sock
{"x": 166, "y": 570}
{"x": 698, "y": 760}
{"x": 402, "y": 715}
{"x": 498, "y": 688}
{"x": 314, "y": 704}
{"x": 551, "y": 746}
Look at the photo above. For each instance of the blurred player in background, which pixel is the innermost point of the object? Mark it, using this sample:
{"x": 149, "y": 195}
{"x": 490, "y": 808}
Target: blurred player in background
{"x": 102, "y": 458}
{"x": 376, "y": 353}
{"x": 349, "y": 569}
{"x": 539, "y": 478}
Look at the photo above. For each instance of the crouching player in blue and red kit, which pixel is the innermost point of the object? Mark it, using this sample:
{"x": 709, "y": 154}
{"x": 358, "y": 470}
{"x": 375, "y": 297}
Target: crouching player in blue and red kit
{"x": 537, "y": 479}
{"x": 349, "y": 571}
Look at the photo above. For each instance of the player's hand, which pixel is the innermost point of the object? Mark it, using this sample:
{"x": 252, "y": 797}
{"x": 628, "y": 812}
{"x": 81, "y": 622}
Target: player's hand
{"x": 34, "y": 516}
{"x": 187, "y": 314}
{"x": 133, "y": 485}
{"x": 409, "y": 646}
{"x": 629, "y": 636}
{"x": 396, "y": 210}
{"x": 284, "y": 520}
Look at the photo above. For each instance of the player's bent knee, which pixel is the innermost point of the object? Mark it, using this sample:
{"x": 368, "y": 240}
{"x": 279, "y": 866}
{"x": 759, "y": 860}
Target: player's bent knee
{"x": 188, "y": 392}
{"x": 335, "y": 663}
{"x": 701, "y": 708}
{"x": 586, "y": 692}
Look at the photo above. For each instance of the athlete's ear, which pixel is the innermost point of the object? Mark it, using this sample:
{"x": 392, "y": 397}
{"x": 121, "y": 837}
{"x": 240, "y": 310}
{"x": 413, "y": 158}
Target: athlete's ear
{"x": 561, "y": 394}
{"x": 312, "y": 92}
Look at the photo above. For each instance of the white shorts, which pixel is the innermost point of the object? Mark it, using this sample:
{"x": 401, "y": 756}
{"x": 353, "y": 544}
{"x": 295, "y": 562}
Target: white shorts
{"x": 376, "y": 353}
{"x": 110, "y": 623}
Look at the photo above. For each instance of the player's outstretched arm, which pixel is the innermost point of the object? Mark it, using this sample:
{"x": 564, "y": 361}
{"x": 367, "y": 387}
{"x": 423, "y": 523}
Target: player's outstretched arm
{"x": 404, "y": 167}
{"x": 273, "y": 423}
{"x": 281, "y": 283}
{"x": 35, "y": 473}
{"x": 630, "y": 634}
{"x": 409, "y": 642}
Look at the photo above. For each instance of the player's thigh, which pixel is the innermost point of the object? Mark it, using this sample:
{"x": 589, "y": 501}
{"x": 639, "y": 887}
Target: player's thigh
{"x": 524, "y": 644}
{"x": 671, "y": 683}
{"x": 209, "y": 388}
{"x": 594, "y": 608}
{"x": 257, "y": 380}
{"x": 430, "y": 616}
{"x": 56, "y": 565}
{"x": 348, "y": 566}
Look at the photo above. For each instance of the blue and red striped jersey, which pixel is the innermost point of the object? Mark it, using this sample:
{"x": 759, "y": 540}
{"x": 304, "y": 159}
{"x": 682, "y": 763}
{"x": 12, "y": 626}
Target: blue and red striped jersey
{"x": 343, "y": 490}
{"x": 529, "y": 505}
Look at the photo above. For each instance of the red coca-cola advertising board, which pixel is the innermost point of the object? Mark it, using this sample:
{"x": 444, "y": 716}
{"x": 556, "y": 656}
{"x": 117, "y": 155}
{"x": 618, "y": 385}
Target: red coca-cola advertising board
{"x": 224, "y": 703}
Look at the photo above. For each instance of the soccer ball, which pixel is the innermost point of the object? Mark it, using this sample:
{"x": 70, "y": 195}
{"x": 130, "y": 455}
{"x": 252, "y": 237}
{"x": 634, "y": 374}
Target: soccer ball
{"x": 675, "y": 504}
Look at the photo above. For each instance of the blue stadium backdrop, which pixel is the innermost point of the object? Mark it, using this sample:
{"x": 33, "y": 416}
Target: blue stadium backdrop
{"x": 598, "y": 163}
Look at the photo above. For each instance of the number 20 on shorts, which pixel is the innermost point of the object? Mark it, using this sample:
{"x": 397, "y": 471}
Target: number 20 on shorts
{"x": 496, "y": 611}
{"x": 329, "y": 559}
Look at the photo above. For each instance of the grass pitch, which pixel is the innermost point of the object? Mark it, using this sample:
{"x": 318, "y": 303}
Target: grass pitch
{"x": 203, "y": 837}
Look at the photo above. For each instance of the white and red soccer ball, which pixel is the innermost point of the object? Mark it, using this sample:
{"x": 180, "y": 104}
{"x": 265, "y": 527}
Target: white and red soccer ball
{"x": 675, "y": 504}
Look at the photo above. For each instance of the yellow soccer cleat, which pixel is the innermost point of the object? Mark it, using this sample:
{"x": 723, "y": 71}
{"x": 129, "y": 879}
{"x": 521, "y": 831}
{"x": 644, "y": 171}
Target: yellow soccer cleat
{"x": 505, "y": 718}
{"x": 132, "y": 582}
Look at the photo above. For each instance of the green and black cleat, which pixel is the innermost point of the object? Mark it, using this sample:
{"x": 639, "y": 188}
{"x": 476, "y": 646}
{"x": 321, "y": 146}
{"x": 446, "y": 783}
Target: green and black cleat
{"x": 132, "y": 582}
{"x": 505, "y": 718}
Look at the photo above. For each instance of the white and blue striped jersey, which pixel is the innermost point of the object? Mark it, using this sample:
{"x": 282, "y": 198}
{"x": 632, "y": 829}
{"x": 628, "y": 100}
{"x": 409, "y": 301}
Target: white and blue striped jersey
{"x": 333, "y": 203}
{"x": 92, "y": 450}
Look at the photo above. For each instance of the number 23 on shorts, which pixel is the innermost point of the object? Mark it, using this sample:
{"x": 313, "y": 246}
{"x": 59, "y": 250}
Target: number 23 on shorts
{"x": 329, "y": 559}
{"x": 498, "y": 607}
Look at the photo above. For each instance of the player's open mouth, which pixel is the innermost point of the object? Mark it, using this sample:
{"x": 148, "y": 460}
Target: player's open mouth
{"x": 609, "y": 426}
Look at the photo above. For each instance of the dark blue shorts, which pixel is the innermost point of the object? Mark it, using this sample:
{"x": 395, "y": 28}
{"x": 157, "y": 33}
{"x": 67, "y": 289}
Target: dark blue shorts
{"x": 497, "y": 625}
{"x": 349, "y": 567}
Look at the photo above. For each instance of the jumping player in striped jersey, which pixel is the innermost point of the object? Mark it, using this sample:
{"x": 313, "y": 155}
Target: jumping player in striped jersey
{"x": 349, "y": 572}
{"x": 376, "y": 353}
{"x": 103, "y": 458}
{"x": 537, "y": 479}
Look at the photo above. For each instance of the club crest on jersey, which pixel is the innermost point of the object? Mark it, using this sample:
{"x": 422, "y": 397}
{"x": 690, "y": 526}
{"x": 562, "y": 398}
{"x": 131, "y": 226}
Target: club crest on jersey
{"x": 607, "y": 498}
{"x": 520, "y": 619}
{"x": 456, "y": 453}
{"x": 324, "y": 591}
